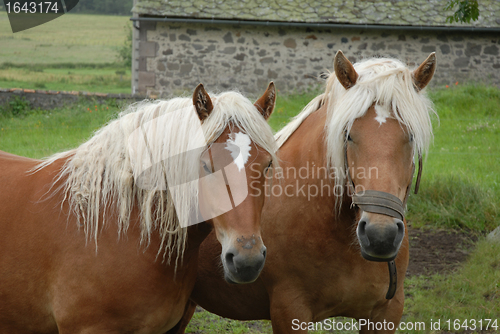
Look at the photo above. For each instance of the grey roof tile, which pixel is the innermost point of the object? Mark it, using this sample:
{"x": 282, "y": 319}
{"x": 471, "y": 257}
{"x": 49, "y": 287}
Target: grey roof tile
{"x": 393, "y": 12}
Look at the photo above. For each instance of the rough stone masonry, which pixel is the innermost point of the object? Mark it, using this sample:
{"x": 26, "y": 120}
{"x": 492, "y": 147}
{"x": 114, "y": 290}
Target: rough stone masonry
{"x": 175, "y": 57}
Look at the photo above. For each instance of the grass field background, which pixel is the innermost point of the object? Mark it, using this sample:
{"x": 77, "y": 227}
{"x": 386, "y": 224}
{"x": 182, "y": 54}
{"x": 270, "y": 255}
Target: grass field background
{"x": 75, "y": 38}
{"x": 73, "y": 52}
{"x": 460, "y": 188}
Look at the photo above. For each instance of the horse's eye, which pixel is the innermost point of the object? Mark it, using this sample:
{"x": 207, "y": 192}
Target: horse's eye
{"x": 349, "y": 138}
{"x": 205, "y": 168}
{"x": 411, "y": 138}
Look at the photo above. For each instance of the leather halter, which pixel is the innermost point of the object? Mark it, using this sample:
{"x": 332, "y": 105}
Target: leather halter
{"x": 383, "y": 203}
{"x": 379, "y": 202}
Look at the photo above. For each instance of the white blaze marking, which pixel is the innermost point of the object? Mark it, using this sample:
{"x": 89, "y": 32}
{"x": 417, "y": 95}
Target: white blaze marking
{"x": 242, "y": 141}
{"x": 382, "y": 113}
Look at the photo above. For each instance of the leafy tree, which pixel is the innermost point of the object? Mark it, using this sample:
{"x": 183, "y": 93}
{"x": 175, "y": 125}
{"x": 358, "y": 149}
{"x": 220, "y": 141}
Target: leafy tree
{"x": 467, "y": 10}
{"x": 125, "y": 51}
{"x": 113, "y": 7}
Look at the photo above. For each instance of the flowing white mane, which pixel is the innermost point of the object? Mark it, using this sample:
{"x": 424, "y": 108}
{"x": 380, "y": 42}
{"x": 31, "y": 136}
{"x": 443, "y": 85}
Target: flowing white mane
{"x": 384, "y": 81}
{"x": 99, "y": 174}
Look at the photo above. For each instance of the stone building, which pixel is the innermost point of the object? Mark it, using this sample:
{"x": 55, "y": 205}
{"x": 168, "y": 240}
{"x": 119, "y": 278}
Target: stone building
{"x": 244, "y": 44}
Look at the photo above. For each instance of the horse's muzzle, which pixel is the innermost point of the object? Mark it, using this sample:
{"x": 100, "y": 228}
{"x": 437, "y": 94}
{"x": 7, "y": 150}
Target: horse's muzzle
{"x": 380, "y": 242}
{"x": 241, "y": 267}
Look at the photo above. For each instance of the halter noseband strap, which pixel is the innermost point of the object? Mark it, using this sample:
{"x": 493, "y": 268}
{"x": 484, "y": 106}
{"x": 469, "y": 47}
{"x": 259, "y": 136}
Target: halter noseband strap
{"x": 379, "y": 202}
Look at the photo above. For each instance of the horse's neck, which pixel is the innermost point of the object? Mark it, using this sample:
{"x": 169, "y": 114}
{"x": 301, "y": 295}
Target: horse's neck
{"x": 307, "y": 143}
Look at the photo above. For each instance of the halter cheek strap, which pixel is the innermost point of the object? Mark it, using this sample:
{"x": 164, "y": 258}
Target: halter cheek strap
{"x": 419, "y": 174}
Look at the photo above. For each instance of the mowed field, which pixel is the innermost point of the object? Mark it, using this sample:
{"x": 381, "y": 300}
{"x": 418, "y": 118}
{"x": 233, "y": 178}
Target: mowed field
{"x": 73, "y": 52}
{"x": 460, "y": 189}
{"x": 71, "y": 38}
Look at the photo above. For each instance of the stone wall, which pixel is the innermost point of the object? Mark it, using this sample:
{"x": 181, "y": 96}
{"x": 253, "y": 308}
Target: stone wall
{"x": 175, "y": 57}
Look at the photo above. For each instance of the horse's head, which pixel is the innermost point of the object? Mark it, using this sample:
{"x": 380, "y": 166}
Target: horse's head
{"x": 231, "y": 193}
{"x": 379, "y": 157}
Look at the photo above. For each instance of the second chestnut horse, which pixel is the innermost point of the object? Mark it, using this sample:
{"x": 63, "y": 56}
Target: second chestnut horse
{"x": 335, "y": 218}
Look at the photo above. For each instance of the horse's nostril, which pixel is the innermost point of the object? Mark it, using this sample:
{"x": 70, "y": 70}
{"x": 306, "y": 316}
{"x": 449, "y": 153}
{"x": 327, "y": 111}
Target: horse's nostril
{"x": 361, "y": 231}
{"x": 229, "y": 258}
{"x": 264, "y": 253}
{"x": 230, "y": 261}
{"x": 362, "y": 225}
{"x": 401, "y": 233}
{"x": 401, "y": 226}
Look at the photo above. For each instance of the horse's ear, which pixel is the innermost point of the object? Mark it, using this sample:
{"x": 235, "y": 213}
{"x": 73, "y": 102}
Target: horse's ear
{"x": 344, "y": 70}
{"x": 267, "y": 101}
{"x": 202, "y": 102}
{"x": 423, "y": 74}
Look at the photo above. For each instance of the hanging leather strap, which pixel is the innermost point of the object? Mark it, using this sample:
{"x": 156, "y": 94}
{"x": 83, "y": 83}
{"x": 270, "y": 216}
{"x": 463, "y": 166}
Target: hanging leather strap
{"x": 393, "y": 280}
{"x": 419, "y": 174}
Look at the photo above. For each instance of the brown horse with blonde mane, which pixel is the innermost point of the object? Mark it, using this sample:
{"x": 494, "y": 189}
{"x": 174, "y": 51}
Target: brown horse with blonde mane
{"x": 89, "y": 246}
{"x": 335, "y": 216}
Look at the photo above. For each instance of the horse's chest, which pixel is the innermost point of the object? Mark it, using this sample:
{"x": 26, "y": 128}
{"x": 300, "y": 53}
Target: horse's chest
{"x": 162, "y": 318}
{"x": 346, "y": 286}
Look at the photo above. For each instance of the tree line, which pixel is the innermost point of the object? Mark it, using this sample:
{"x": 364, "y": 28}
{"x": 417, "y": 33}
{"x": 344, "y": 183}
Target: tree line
{"x": 105, "y": 7}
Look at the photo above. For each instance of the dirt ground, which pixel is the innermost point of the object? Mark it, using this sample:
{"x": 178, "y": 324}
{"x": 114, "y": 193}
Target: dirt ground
{"x": 437, "y": 251}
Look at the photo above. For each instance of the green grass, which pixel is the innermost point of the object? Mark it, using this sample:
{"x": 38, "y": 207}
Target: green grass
{"x": 473, "y": 292}
{"x": 102, "y": 79}
{"x": 452, "y": 201}
{"x": 76, "y": 38}
{"x": 461, "y": 179}
{"x": 467, "y": 138}
{"x": 205, "y": 322}
{"x": 70, "y": 53}
{"x": 289, "y": 106}
{"x": 43, "y": 133}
